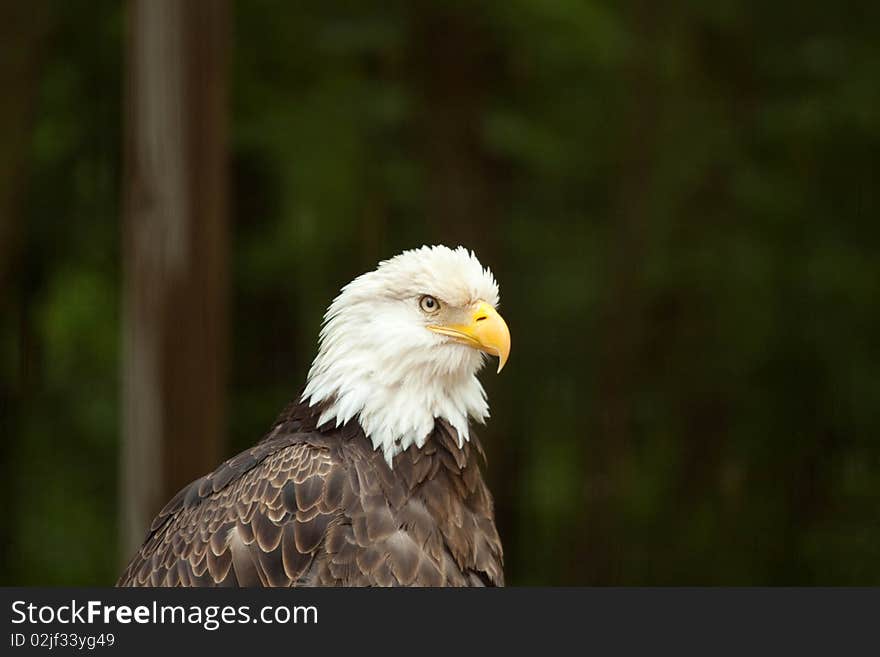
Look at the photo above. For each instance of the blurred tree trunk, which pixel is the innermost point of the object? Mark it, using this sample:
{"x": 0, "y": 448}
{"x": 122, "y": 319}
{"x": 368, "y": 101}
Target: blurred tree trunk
{"x": 623, "y": 312}
{"x": 23, "y": 31}
{"x": 174, "y": 252}
{"x": 454, "y": 65}
{"x": 23, "y": 28}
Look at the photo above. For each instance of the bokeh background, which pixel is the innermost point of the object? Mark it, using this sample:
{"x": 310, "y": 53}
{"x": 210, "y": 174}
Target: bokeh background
{"x": 680, "y": 201}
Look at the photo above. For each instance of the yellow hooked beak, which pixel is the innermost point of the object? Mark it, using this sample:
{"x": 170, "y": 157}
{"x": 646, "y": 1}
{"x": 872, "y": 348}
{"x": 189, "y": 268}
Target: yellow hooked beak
{"x": 485, "y": 331}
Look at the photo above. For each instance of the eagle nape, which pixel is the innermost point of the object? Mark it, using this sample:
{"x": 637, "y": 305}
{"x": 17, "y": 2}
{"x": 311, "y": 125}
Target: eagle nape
{"x": 371, "y": 477}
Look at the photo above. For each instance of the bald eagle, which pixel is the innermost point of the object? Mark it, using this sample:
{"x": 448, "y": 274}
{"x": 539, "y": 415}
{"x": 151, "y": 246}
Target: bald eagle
{"x": 371, "y": 477}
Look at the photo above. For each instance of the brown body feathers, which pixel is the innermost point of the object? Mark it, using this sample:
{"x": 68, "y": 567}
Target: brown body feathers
{"x": 313, "y": 506}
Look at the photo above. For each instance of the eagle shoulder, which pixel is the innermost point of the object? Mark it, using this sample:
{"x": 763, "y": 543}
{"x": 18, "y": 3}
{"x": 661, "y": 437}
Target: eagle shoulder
{"x": 257, "y": 520}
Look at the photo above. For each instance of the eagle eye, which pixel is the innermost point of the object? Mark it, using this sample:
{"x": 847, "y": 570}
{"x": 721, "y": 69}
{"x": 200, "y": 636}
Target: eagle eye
{"x": 429, "y": 304}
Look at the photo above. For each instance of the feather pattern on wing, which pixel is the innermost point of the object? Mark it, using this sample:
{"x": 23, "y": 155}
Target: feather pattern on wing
{"x": 317, "y": 506}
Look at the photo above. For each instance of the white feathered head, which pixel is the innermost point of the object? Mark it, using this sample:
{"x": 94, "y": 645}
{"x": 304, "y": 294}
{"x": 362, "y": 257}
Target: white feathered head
{"x": 401, "y": 346}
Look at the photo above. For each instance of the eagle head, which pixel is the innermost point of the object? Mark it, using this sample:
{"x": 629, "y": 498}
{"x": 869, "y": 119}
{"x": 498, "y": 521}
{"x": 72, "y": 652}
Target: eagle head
{"x": 401, "y": 346}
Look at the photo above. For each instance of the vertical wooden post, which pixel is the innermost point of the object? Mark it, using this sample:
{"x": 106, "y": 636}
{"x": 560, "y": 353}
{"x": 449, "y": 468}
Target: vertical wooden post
{"x": 174, "y": 253}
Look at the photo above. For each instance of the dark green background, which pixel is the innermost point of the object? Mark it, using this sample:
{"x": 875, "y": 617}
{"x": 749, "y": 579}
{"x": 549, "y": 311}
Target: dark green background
{"x": 680, "y": 202}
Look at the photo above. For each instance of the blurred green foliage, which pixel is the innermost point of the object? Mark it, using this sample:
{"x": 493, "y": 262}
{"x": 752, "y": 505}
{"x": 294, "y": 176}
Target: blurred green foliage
{"x": 681, "y": 204}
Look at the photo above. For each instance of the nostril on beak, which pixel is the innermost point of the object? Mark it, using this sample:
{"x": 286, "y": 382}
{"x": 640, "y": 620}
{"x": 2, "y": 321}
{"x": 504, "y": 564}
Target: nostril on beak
{"x": 480, "y": 318}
